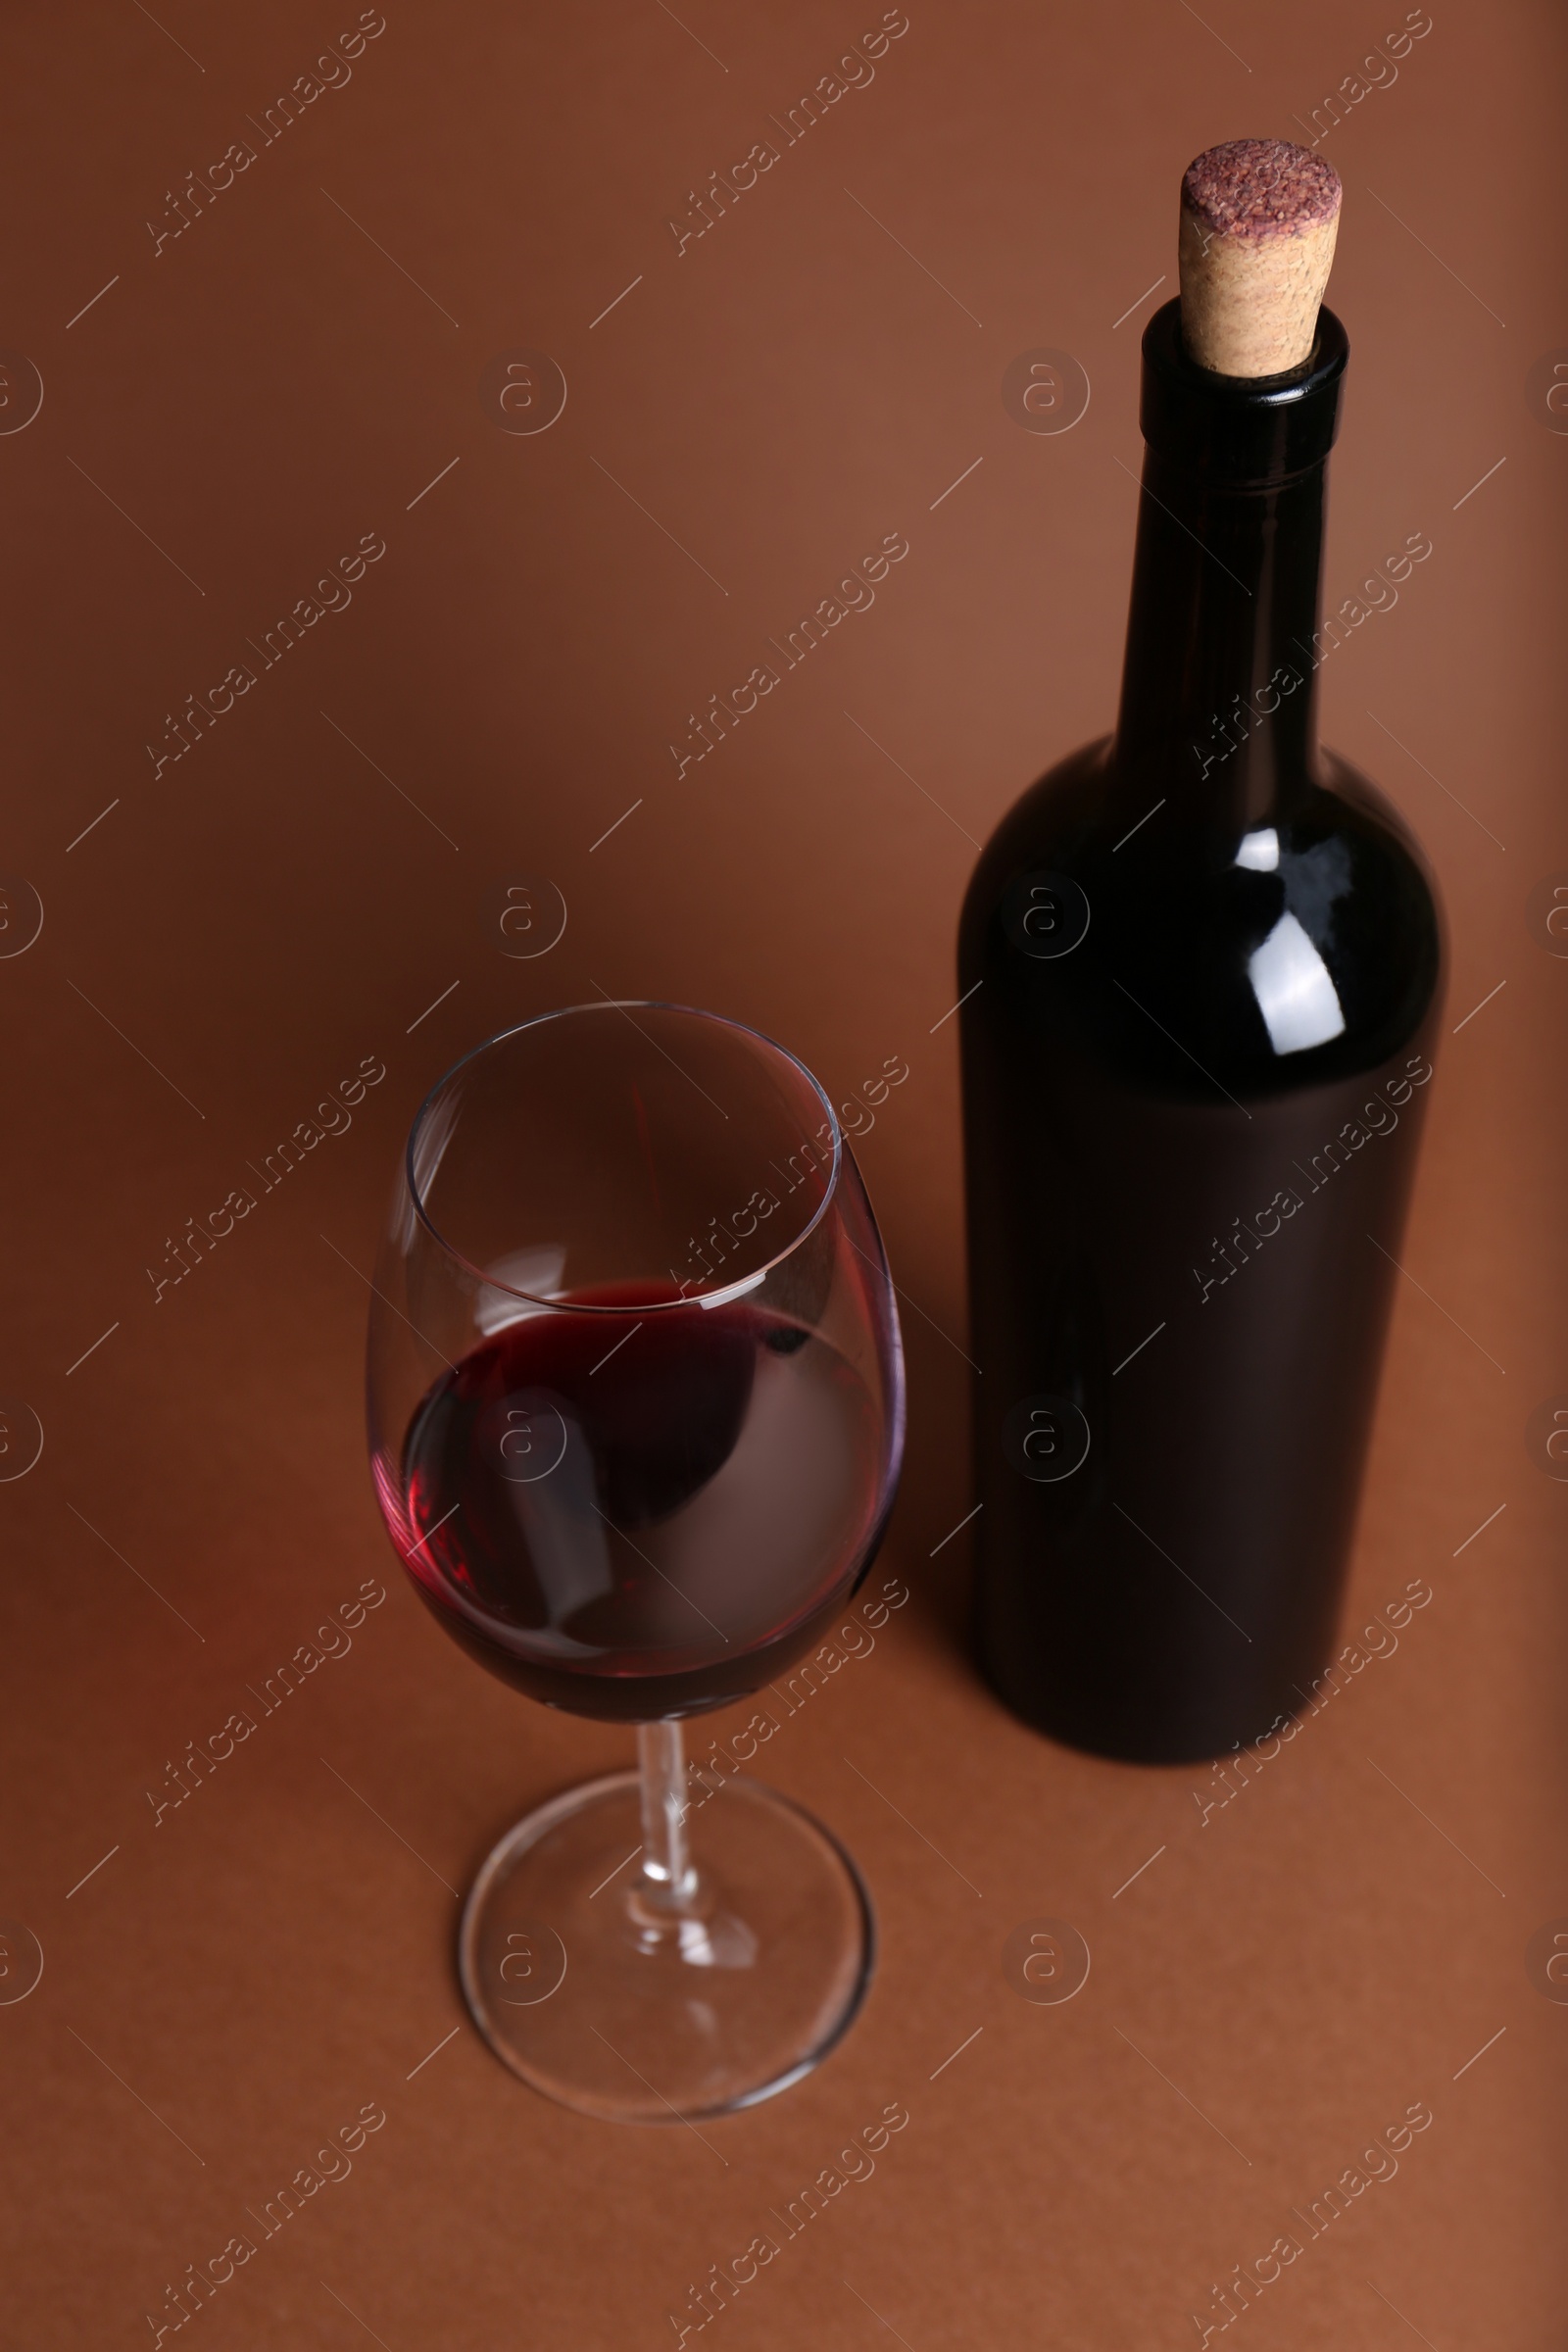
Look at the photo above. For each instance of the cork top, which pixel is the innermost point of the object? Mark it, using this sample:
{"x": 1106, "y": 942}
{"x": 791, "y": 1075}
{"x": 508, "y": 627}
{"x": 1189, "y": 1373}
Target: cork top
{"x": 1258, "y": 221}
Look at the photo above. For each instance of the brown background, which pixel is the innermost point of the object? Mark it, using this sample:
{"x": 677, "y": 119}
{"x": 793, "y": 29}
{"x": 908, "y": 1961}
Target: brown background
{"x": 254, "y": 398}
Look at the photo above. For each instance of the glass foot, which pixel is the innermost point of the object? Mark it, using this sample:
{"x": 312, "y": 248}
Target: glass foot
{"x": 606, "y": 1994}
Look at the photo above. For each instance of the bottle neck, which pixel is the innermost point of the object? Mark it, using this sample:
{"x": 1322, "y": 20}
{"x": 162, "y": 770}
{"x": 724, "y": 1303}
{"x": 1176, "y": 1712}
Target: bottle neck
{"x": 1219, "y": 699}
{"x": 1219, "y": 688}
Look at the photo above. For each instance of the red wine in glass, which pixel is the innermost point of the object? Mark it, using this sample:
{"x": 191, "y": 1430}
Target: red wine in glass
{"x": 635, "y": 1397}
{"x": 577, "y": 1488}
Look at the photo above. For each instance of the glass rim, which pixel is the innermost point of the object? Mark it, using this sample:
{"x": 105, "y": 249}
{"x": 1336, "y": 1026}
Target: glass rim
{"x": 701, "y": 1300}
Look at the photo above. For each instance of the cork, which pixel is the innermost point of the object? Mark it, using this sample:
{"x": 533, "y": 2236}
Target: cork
{"x": 1258, "y": 221}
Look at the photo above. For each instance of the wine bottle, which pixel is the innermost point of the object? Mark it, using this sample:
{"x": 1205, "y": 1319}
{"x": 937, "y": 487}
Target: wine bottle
{"x": 1200, "y": 965}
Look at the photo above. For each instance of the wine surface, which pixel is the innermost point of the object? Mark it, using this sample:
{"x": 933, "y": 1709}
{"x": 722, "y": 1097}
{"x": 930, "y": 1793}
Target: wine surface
{"x": 634, "y": 1514}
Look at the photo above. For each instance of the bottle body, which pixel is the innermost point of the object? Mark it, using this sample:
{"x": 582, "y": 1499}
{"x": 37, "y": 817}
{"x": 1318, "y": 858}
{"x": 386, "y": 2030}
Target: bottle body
{"x": 1201, "y": 993}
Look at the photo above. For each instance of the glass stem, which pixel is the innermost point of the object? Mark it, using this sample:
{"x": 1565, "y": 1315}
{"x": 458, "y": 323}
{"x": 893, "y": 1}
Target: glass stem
{"x": 668, "y": 1879}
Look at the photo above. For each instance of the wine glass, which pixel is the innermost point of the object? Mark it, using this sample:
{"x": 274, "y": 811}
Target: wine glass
{"x": 636, "y": 1417}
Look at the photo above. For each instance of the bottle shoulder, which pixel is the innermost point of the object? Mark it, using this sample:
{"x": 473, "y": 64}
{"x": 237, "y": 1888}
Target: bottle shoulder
{"x": 1195, "y": 951}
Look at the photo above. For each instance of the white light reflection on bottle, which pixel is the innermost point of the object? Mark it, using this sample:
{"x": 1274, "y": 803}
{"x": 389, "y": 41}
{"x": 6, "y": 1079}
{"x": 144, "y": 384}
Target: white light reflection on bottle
{"x": 1294, "y": 993}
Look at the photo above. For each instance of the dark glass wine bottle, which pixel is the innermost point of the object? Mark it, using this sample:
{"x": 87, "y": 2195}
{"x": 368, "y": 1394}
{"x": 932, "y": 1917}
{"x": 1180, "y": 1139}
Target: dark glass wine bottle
{"x": 1200, "y": 964}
